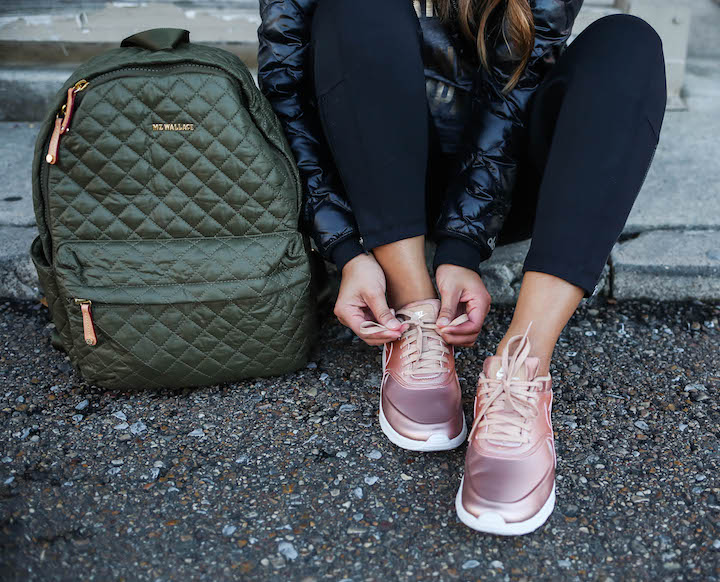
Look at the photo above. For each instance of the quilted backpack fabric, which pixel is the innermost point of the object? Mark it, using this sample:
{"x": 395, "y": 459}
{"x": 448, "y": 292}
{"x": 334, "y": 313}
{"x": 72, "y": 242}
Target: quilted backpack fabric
{"x": 168, "y": 212}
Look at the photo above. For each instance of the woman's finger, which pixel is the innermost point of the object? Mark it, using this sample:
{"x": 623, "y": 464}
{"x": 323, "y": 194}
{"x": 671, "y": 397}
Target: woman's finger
{"x": 466, "y": 328}
{"x": 448, "y": 306}
{"x": 355, "y": 321}
{"x": 477, "y": 312}
{"x": 382, "y": 312}
{"x": 460, "y": 340}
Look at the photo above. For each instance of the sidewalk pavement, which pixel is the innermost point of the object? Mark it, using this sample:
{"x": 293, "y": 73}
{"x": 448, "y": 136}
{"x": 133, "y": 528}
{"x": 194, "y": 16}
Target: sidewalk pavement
{"x": 670, "y": 249}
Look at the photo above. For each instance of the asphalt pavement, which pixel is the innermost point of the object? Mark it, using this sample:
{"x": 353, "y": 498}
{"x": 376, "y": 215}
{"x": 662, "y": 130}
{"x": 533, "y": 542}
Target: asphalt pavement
{"x": 290, "y": 478}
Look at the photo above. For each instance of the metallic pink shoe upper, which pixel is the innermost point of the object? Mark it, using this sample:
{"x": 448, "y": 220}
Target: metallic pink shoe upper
{"x": 420, "y": 389}
{"x": 510, "y": 462}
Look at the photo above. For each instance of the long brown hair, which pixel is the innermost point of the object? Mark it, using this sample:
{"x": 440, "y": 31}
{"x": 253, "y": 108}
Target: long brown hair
{"x": 518, "y": 28}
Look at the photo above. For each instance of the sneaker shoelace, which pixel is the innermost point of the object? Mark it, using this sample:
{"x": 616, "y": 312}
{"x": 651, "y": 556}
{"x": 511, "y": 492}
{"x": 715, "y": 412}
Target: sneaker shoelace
{"x": 509, "y": 403}
{"x": 424, "y": 350}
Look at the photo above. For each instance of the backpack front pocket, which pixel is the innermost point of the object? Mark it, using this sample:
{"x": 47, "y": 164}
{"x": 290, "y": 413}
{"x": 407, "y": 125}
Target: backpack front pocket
{"x": 186, "y": 312}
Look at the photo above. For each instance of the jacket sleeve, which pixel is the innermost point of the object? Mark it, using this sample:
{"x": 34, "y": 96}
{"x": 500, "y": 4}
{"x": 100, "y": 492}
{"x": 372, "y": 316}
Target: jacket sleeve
{"x": 478, "y": 199}
{"x": 284, "y": 77}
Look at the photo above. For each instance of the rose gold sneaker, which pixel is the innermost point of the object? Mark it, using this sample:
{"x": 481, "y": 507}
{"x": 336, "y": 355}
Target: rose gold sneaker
{"x": 420, "y": 401}
{"x": 509, "y": 482}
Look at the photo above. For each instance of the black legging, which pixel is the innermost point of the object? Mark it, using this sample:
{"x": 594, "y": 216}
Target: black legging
{"x": 593, "y": 128}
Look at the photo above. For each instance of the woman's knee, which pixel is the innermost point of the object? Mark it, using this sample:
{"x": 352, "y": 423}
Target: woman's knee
{"x": 356, "y": 19}
{"x": 626, "y": 40}
{"x": 626, "y": 27}
{"x": 382, "y": 9}
{"x": 623, "y": 51}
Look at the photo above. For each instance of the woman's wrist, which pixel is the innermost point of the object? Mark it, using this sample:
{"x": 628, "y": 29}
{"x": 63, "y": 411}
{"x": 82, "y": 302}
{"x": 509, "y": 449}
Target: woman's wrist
{"x": 345, "y": 251}
{"x": 357, "y": 262}
{"x": 455, "y": 251}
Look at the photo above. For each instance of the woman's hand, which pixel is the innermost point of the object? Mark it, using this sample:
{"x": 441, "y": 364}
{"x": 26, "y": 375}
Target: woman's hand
{"x": 461, "y": 291}
{"x": 362, "y": 298}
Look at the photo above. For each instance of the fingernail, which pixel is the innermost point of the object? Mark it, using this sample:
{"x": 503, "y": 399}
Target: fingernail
{"x": 394, "y": 323}
{"x": 443, "y": 321}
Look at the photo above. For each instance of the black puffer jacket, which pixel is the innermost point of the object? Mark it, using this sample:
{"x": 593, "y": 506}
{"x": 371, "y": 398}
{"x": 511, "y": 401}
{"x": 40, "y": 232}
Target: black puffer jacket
{"x": 461, "y": 93}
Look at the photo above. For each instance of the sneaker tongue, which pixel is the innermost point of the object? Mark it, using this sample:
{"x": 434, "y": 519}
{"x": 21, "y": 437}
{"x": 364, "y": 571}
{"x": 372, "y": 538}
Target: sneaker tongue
{"x": 527, "y": 371}
{"x": 426, "y": 309}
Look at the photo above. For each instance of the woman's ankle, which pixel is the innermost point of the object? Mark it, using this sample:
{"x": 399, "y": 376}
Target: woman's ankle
{"x": 398, "y": 301}
{"x": 540, "y": 348}
{"x": 406, "y": 272}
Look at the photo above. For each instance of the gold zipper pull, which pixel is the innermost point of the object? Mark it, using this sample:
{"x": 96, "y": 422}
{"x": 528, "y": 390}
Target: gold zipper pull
{"x": 88, "y": 326}
{"x": 62, "y": 123}
{"x": 68, "y": 107}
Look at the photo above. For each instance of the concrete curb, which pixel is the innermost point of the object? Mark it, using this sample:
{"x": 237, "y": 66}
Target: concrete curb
{"x": 662, "y": 265}
{"x": 668, "y": 265}
{"x": 502, "y": 274}
{"x": 18, "y": 279}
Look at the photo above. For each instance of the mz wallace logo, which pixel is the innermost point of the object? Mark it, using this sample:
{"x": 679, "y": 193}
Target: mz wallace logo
{"x": 173, "y": 126}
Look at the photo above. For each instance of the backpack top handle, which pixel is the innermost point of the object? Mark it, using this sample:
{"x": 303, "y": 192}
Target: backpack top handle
{"x": 157, "y": 39}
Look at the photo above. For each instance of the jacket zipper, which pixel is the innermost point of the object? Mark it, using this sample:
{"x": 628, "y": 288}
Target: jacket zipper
{"x": 62, "y": 124}
{"x": 88, "y": 325}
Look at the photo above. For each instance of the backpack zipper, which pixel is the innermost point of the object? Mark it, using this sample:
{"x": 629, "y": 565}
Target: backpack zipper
{"x": 88, "y": 325}
{"x": 62, "y": 124}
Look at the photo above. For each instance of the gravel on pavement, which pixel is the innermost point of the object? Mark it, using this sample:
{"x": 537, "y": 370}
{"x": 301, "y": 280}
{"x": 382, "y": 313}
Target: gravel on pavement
{"x": 290, "y": 478}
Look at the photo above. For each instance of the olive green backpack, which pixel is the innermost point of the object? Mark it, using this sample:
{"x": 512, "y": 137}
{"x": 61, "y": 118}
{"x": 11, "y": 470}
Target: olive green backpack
{"x": 168, "y": 201}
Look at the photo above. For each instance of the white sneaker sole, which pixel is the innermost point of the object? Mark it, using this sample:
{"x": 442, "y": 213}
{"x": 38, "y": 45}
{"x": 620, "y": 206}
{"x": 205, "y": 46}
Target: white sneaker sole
{"x": 436, "y": 442}
{"x": 493, "y": 523}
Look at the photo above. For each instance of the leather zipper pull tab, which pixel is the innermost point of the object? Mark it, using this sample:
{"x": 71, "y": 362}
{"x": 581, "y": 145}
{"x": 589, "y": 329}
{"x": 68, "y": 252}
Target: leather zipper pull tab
{"x": 68, "y": 108}
{"x": 51, "y": 156}
{"x": 88, "y": 326}
{"x": 63, "y": 123}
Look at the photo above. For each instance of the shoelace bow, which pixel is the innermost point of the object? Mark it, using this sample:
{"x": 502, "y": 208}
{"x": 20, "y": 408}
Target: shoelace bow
{"x": 508, "y": 403}
{"x": 419, "y": 360}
